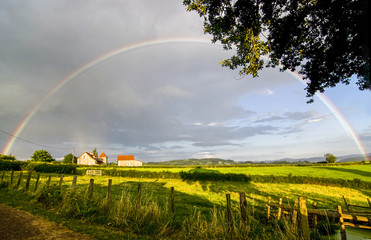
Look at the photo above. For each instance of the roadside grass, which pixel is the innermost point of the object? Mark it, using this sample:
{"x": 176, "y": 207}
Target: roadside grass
{"x": 196, "y": 204}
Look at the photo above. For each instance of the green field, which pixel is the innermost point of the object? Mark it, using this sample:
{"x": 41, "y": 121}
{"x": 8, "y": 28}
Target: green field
{"x": 205, "y": 197}
{"x": 362, "y": 172}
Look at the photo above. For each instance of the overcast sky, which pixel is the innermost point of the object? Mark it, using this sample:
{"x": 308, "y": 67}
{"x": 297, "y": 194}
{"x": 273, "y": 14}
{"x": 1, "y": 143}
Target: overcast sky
{"x": 159, "y": 102}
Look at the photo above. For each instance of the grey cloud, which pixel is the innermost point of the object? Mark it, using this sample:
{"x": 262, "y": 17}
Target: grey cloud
{"x": 290, "y": 116}
{"x": 145, "y": 100}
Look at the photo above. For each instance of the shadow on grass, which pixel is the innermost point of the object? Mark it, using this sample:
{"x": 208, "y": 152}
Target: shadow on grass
{"x": 347, "y": 170}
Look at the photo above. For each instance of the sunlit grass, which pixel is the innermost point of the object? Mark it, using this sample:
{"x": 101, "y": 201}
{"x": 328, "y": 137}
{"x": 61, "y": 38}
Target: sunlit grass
{"x": 205, "y": 196}
{"x": 349, "y": 172}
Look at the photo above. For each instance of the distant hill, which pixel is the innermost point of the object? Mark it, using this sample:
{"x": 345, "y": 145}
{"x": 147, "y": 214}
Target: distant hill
{"x": 194, "y": 161}
{"x": 219, "y": 161}
{"x": 353, "y": 158}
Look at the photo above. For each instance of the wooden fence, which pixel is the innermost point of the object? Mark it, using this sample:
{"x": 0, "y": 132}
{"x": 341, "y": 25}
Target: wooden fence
{"x": 298, "y": 213}
{"x": 299, "y": 209}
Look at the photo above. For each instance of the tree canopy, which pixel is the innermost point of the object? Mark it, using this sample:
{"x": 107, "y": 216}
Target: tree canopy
{"x": 325, "y": 41}
{"x": 95, "y": 152}
{"x": 330, "y": 158}
{"x": 8, "y": 157}
{"x": 69, "y": 158}
{"x": 42, "y": 156}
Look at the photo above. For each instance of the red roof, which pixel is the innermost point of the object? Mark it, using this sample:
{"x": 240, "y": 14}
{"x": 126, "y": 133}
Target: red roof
{"x": 102, "y": 155}
{"x": 125, "y": 157}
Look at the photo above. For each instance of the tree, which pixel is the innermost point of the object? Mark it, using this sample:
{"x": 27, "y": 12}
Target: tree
{"x": 42, "y": 156}
{"x": 327, "y": 42}
{"x": 8, "y": 157}
{"x": 69, "y": 158}
{"x": 330, "y": 158}
{"x": 95, "y": 152}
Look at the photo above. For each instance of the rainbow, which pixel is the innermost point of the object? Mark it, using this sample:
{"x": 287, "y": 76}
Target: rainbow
{"x": 339, "y": 116}
{"x": 135, "y": 46}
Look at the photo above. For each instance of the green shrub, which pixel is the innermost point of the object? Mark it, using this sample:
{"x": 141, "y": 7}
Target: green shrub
{"x": 12, "y": 165}
{"x": 212, "y": 175}
{"x": 49, "y": 196}
{"x": 116, "y": 172}
{"x": 51, "y": 168}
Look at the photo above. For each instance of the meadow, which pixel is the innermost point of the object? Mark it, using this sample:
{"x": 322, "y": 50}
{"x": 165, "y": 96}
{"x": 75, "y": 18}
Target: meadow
{"x": 196, "y": 202}
{"x": 346, "y": 171}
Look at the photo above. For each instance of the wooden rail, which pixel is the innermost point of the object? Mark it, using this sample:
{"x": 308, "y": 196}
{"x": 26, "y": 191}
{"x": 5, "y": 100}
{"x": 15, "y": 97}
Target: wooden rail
{"x": 350, "y": 220}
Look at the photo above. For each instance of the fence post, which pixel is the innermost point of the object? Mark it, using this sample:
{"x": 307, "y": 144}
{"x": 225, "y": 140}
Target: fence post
{"x": 74, "y": 182}
{"x": 139, "y": 194}
{"x": 294, "y": 217}
{"x": 279, "y": 209}
{"x": 11, "y": 177}
{"x": 19, "y": 180}
{"x": 61, "y": 181}
{"x": 37, "y": 181}
{"x": 28, "y": 181}
{"x": 172, "y": 204}
{"x": 109, "y": 190}
{"x": 2, "y": 177}
{"x": 268, "y": 208}
{"x": 48, "y": 182}
{"x": 90, "y": 189}
{"x": 243, "y": 209}
{"x": 229, "y": 214}
{"x": 346, "y": 204}
{"x": 304, "y": 218}
{"x": 315, "y": 224}
{"x": 342, "y": 226}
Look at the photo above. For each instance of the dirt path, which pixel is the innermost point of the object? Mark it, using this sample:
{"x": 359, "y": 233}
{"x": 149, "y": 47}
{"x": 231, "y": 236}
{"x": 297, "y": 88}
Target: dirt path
{"x": 17, "y": 224}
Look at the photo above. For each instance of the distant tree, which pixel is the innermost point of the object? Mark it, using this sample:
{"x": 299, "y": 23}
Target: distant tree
{"x": 8, "y": 157}
{"x": 327, "y": 42}
{"x": 42, "y": 156}
{"x": 69, "y": 158}
{"x": 95, "y": 152}
{"x": 330, "y": 158}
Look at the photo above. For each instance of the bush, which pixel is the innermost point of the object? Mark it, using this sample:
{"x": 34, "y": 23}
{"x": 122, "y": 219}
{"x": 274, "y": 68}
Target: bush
{"x": 212, "y": 175}
{"x": 12, "y": 165}
{"x": 139, "y": 174}
{"x": 49, "y": 196}
{"x": 51, "y": 168}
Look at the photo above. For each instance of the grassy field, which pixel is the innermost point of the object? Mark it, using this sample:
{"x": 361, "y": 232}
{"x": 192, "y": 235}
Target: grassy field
{"x": 350, "y": 172}
{"x": 205, "y": 196}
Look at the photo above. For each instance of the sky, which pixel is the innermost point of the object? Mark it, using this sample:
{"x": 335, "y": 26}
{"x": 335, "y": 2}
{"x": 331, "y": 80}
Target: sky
{"x": 140, "y": 77}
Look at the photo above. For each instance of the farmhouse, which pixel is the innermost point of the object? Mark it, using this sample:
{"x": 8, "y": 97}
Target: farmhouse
{"x": 89, "y": 159}
{"x": 128, "y": 160}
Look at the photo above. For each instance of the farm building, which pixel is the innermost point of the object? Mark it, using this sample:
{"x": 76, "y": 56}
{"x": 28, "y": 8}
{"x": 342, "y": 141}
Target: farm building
{"x": 128, "y": 161}
{"x": 89, "y": 159}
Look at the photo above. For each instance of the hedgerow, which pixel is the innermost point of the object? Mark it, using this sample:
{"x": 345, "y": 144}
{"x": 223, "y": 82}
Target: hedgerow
{"x": 12, "y": 165}
{"x": 51, "y": 168}
{"x": 213, "y": 176}
{"x": 139, "y": 174}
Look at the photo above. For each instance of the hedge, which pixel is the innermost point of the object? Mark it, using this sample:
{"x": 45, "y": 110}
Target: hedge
{"x": 213, "y": 176}
{"x": 51, "y": 168}
{"x": 140, "y": 174}
{"x": 12, "y": 165}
